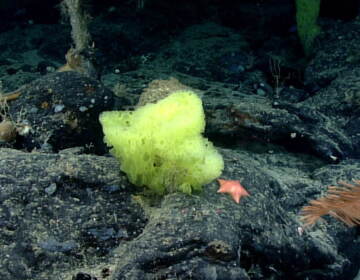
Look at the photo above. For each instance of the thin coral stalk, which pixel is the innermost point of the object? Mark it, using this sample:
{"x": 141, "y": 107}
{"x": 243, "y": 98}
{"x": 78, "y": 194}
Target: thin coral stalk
{"x": 343, "y": 203}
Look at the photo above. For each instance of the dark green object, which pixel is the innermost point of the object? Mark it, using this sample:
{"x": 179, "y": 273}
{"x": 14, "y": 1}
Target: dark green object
{"x": 307, "y": 12}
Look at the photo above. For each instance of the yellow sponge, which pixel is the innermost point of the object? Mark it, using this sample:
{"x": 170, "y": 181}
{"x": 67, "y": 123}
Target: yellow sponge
{"x": 161, "y": 146}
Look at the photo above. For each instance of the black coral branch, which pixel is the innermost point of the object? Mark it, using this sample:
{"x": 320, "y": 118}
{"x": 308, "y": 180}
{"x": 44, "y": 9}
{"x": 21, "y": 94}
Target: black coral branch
{"x": 342, "y": 202}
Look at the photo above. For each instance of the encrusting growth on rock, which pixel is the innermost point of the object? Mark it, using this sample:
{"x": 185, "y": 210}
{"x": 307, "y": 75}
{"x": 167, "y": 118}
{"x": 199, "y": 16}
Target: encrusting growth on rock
{"x": 7, "y": 131}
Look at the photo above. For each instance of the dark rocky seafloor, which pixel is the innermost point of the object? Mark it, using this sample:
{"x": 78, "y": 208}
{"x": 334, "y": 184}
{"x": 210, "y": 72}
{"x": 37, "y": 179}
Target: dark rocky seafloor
{"x": 66, "y": 210}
